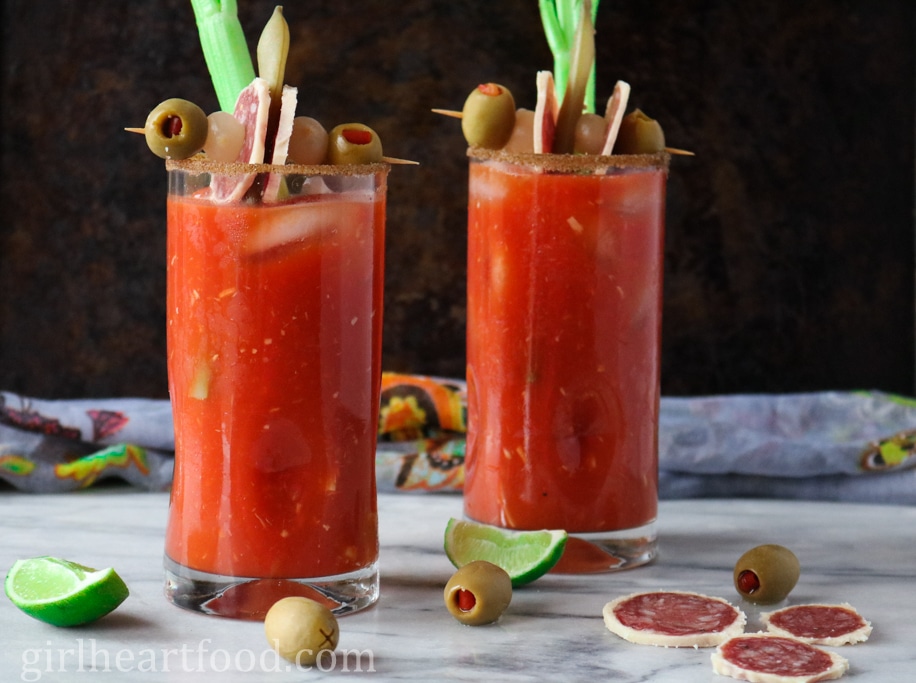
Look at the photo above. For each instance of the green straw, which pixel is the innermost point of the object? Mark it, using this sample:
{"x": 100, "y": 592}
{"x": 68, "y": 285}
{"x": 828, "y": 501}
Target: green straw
{"x": 560, "y": 18}
{"x": 225, "y": 49}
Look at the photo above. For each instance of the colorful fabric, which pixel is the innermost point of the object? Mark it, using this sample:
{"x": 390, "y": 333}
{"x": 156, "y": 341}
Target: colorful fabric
{"x": 849, "y": 446}
{"x": 422, "y": 422}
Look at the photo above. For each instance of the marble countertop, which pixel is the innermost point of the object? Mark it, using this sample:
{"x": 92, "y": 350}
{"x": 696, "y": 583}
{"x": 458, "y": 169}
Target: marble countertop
{"x": 553, "y": 630}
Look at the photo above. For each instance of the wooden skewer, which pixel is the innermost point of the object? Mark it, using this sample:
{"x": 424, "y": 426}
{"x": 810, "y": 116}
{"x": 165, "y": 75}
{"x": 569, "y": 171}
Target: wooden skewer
{"x": 453, "y": 114}
{"x": 392, "y": 160}
{"x": 449, "y": 112}
{"x": 456, "y": 115}
{"x": 459, "y": 115}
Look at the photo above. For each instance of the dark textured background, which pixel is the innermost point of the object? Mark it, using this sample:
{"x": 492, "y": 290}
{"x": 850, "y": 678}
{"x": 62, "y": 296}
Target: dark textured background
{"x": 789, "y": 255}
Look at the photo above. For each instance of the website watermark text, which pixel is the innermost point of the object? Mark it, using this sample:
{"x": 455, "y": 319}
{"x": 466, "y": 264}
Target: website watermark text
{"x": 87, "y": 656}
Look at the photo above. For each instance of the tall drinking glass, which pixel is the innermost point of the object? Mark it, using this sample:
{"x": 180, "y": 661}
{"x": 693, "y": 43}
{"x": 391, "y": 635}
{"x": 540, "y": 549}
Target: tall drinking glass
{"x": 564, "y": 321}
{"x": 274, "y": 341}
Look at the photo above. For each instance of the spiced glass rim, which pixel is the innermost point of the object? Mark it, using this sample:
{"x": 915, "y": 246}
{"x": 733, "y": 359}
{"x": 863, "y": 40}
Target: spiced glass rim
{"x": 571, "y": 163}
{"x": 200, "y": 164}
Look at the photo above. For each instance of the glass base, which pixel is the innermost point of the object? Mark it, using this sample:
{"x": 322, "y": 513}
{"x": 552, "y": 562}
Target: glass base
{"x": 249, "y": 598}
{"x": 607, "y": 551}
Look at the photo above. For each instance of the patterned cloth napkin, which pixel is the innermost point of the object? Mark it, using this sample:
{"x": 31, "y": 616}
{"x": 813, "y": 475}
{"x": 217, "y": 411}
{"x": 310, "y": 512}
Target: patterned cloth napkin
{"x": 848, "y": 446}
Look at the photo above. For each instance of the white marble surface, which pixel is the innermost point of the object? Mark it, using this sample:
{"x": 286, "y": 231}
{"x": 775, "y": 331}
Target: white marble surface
{"x": 552, "y": 631}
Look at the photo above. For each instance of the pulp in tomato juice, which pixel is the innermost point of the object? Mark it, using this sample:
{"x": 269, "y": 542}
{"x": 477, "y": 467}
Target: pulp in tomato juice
{"x": 564, "y": 314}
{"x": 274, "y": 333}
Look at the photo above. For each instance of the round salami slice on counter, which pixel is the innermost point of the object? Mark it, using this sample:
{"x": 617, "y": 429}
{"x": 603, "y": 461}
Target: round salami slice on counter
{"x": 673, "y": 619}
{"x": 768, "y": 658}
{"x": 831, "y": 625}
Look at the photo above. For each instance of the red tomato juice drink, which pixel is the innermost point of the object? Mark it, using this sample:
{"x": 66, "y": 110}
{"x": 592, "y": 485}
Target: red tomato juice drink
{"x": 274, "y": 342}
{"x": 564, "y": 320}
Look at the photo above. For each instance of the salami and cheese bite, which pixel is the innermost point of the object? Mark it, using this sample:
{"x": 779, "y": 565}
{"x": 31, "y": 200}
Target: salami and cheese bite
{"x": 768, "y": 658}
{"x": 251, "y": 110}
{"x": 673, "y": 619}
{"x": 831, "y": 625}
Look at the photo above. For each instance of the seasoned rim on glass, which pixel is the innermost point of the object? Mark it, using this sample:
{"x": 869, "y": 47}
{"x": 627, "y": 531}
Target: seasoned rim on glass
{"x": 200, "y": 164}
{"x": 570, "y": 163}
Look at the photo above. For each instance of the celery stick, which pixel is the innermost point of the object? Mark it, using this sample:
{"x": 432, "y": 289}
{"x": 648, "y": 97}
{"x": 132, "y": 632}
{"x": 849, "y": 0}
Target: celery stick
{"x": 558, "y": 40}
{"x": 225, "y": 50}
{"x": 582, "y": 59}
{"x": 590, "y": 88}
{"x": 560, "y": 19}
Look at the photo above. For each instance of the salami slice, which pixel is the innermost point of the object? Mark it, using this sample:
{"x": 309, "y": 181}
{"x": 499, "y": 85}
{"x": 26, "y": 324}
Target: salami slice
{"x": 251, "y": 110}
{"x": 546, "y": 111}
{"x": 831, "y": 625}
{"x": 673, "y": 619}
{"x": 616, "y": 105}
{"x": 768, "y": 658}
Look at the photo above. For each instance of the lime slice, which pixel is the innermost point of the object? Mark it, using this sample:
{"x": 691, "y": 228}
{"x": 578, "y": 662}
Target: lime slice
{"x": 63, "y": 593}
{"x": 525, "y": 555}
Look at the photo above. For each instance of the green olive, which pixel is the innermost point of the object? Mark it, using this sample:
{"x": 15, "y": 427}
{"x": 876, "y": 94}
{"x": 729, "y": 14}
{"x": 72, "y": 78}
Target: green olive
{"x": 176, "y": 129}
{"x": 353, "y": 143}
{"x": 488, "y": 116}
{"x": 478, "y": 593}
{"x": 639, "y": 135}
{"x": 766, "y": 574}
{"x": 300, "y": 629}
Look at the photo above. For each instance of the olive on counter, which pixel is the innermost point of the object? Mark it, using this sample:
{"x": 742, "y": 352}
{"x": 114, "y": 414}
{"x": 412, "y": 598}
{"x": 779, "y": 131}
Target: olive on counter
{"x": 639, "y": 134}
{"x": 488, "y": 116}
{"x": 176, "y": 129}
{"x": 300, "y": 629}
{"x": 766, "y": 574}
{"x": 353, "y": 143}
{"x": 478, "y": 593}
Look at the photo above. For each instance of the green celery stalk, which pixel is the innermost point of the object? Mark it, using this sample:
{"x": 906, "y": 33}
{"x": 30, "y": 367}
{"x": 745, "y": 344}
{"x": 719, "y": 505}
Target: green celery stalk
{"x": 225, "y": 50}
{"x": 558, "y": 40}
{"x": 560, "y": 18}
{"x": 581, "y": 62}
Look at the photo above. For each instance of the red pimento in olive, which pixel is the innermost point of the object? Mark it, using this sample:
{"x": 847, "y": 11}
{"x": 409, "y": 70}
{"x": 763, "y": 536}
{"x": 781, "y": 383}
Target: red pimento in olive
{"x": 478, "y": 593}
{"x": 748, "y": 582}
{"x": 357, "y": 136}
{"x": 466, "y": 600}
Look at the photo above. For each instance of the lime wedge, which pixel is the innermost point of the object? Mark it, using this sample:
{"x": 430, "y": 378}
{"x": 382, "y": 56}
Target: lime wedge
{"x": 525, "y": 555}
{"x": 63, "y": 593}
